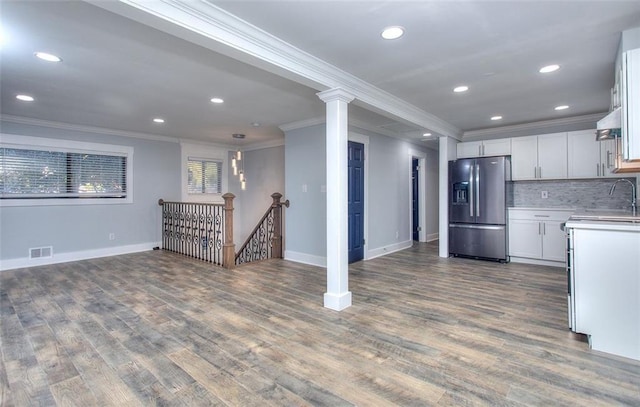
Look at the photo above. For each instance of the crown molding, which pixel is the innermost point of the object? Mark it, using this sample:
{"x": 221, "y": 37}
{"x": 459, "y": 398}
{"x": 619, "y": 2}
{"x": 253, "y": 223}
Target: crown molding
{"x": 244, "y": 39}
{"x": 264, "y": 144}
{"x": 84, "y": 129}
{"x": 302, "y": 124}
{"x": 533, "y": 126}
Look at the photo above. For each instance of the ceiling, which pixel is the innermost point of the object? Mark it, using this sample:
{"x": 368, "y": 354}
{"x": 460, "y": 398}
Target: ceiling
{"x": 119, "y": 74}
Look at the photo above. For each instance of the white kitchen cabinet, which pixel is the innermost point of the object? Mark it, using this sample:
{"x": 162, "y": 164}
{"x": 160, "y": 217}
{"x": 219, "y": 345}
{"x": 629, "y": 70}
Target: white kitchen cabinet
{"x": 485, "y": 148}
{"x": 535, "y": 235}
{"x": 539, "y": 157}
{"x": 588, "y": 158}
{"x": 630, "y": 98}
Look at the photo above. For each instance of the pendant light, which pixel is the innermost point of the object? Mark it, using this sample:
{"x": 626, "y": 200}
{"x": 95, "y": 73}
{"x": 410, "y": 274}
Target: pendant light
{"x": 237, "y": 163}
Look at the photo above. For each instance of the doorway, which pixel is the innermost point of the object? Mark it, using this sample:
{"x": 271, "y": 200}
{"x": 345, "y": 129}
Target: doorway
{"x": 356, "y": 200}
{"x": 415, "y": 199}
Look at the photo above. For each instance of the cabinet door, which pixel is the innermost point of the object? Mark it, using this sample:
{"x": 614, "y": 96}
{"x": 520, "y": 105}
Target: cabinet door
{"x": 496, "y": 147}
{"x": 608, "y": 157}
{"x": 554, "y": 241}
{"x": 552, "y": 156}
{"x": 469, "y": 149}
{"x": 525, "y": 238}
{"x": 524, "y": 157}
{"x": 584, "y": 155}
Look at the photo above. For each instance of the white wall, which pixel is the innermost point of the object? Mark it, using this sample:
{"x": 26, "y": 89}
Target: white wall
{"x": 81, "y": 231}
{"x": 388, "y": 184}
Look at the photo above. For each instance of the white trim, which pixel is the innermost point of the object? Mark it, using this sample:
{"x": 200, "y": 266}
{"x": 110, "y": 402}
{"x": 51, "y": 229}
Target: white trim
{"x": 246, "y": 42}
{"x": 431, "y": 237}
{"x": 337, "y": 302}
{"x": 364, "y": 140}
{"x": 203, "y": 152}
{"x": 84, "y": 129}
{"x": 264, "y": 144}
{"x": 75, "y": 256}
{"x": 422, "y": 195}
{"x": 304, "y": 258}
{"x": 499, "y": 132}
{"x": 384, "y": 250}
{"x": 72, "y": 146}
{"x": 303, "y": 124}
{"x": 538, "y": 262}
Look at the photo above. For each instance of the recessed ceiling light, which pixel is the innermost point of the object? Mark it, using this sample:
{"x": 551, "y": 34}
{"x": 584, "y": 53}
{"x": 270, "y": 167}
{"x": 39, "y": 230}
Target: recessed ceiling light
{"x": 561, "y": 107}
{"x": 47, "y": 57}
{"x": 25, "y": 98}
{"x": 496, "y": 118}
{"x": 549, "y": 68}
{"x": 392, "y": 33}
{"x": 459, "y": 89}
{"x": 217, "y": 100}
{"x": 158, "y": 120}
{"x": 238, "y": 135}
{"x": 255, "y": 124}
{"x": 426, "y": 134}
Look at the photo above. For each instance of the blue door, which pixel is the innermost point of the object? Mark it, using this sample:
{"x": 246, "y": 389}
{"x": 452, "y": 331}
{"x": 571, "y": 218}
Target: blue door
{"x": 415, "y": 211}
{"x": 356, "y": 201}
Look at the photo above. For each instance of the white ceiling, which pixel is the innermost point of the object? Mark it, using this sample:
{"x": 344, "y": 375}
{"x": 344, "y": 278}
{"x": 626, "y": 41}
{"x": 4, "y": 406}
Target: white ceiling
{"x": 120, "y": 74}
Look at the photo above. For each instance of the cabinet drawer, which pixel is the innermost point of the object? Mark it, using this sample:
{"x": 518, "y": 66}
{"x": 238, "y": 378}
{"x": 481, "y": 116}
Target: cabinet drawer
{"x": 540, "y": 214}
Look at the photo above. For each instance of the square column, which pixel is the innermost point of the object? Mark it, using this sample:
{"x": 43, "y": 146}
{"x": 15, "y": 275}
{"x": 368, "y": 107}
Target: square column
{"x": 338, "y": 296}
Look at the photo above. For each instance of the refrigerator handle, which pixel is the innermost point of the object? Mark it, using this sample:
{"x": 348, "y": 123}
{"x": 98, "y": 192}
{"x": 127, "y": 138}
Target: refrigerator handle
{"x": 471, "y": 191}
{"x": 477, "y": 190}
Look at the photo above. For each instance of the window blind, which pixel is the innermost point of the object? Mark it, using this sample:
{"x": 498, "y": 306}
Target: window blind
{"x": 31, "y": 173}
{"x": 205, "y": 176}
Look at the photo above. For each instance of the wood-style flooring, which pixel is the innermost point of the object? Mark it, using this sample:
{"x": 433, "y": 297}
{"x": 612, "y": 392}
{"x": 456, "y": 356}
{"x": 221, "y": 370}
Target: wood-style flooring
{"x": 157, "y": 328}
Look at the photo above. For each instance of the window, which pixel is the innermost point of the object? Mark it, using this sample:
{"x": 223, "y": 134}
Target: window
{"x": 204, "y": 176}
{"x": 66, "y": 171}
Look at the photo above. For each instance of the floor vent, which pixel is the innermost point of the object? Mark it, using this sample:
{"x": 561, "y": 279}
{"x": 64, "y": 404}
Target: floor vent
{"x": 41, "y": 252}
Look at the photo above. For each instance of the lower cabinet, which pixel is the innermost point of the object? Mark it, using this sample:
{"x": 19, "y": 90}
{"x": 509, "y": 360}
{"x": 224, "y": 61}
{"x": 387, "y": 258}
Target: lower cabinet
{"x": 535, "y": 234}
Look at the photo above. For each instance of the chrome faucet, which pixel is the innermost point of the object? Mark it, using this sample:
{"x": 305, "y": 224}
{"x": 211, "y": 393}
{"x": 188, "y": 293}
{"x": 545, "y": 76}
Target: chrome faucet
{"x": 634, "y": 197}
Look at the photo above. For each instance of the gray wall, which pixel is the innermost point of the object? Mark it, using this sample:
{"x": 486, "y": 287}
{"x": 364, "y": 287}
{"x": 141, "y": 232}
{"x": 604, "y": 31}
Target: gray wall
{"x": 264, "y": 169}
{"x": 389, "y": 182}
{"x": 589, "y": 193}
{"x": 74, "y": 228}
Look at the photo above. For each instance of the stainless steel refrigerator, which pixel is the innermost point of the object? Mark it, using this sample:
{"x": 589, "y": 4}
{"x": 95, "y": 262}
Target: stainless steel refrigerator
{"x": 478, "y": 207}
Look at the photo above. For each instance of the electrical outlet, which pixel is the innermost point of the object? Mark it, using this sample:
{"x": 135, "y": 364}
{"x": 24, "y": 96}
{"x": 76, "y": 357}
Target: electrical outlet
{"x": 544, "y": 194}
{"x": 112, "y": 236}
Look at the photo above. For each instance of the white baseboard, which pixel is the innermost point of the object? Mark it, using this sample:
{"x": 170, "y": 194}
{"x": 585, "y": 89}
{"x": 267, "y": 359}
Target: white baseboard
{"x": 537, "y": 262}
{"x": 383, "y": 251}
{"x": 433, "y": 236}
{"x": 75, "y": 256}
{"x": 313, "y": 260}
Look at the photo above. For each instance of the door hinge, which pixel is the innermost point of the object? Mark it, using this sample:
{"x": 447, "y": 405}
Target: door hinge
{"x": 364, "y": 241}
{"x": 419, "y": 229}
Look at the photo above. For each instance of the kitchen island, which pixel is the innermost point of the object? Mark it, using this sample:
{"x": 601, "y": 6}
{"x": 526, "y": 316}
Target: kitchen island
{"x": 604, "y": 283}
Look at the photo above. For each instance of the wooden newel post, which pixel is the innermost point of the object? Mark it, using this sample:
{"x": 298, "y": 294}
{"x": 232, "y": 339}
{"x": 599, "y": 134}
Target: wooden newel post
{"x": 276, "y": 240}
{"x": 228, "y": 247}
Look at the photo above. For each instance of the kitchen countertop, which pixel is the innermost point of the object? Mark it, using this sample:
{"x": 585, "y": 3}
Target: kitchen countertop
{"x": 606, "y": 219}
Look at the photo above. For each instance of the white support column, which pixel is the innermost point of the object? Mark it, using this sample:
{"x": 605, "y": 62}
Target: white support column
{"x": 447, "y": 151}
{"x": 338, "y": 296}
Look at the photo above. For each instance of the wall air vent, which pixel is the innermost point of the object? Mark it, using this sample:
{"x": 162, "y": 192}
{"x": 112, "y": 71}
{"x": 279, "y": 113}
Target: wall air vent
{"x": 41, "y": 252}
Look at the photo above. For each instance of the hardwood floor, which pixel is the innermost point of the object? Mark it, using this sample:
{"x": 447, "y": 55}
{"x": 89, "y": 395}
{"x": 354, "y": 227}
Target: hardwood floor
{"x": 157, "y": 328}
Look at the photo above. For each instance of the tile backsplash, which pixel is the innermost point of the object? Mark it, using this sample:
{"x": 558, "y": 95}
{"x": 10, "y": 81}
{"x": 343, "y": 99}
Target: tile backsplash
{"x": 588, "y": 193}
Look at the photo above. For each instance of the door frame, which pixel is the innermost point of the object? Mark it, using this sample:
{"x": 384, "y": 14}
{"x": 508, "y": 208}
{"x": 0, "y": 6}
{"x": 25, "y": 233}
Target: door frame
{"x": 364, "y": 140}
{"x": 422, "y": 208}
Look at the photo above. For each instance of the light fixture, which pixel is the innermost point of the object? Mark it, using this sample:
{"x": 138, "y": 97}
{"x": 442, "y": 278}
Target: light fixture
{"x": 217, "y": 100}
{"x": 45, "y": 56}
{"x": 461, "y": 88}
{"x": 25, "y": 98}
{"x": 255, "y": 124}
{"x": 237, "y": 163}
{"x": 426, "y": 134}
{"x": 549, "y": 68}
{"x": 158, "y": 120}
{"x": 496, "y": 118}
{"x": 392, "y": 33}
{"x": 561, "y": 107}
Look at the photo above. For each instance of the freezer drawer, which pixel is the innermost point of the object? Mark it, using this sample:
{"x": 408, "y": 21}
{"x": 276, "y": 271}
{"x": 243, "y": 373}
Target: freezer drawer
{"x": 482, "y": 241}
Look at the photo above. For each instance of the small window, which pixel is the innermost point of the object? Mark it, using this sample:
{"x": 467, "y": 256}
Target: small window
{"x": 35, "y": 171}
{"x": 204, "y": 176}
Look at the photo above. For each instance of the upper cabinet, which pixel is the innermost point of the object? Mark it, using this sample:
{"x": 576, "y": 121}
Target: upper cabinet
{"x": 589, "y": 158}
{"x": 630, "y": 100}
{"x": 539, "y": 157}
{"x": 486, "y": 148}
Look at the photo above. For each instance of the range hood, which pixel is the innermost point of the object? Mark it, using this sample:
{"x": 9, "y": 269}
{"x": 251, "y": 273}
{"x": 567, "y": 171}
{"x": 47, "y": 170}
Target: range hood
{"x": 609, "y": 126}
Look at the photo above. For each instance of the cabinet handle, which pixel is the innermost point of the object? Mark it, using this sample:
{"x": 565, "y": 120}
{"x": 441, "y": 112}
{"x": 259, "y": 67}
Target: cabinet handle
{"x": 544, "y": 228}
{"x": 603, "y": 173}
{"x": 597, "y": 170}
{"x": 609, "y": 154}
{"x": 480, "y": 150}
{"x": 539, "y": 228}
{"x": 535, "y": 172}
{"x": 539, "y": 172}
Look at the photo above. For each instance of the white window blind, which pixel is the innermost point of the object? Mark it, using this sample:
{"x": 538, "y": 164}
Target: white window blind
{"x": 204, "y": 176}
{"x": 44, "y": 174}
